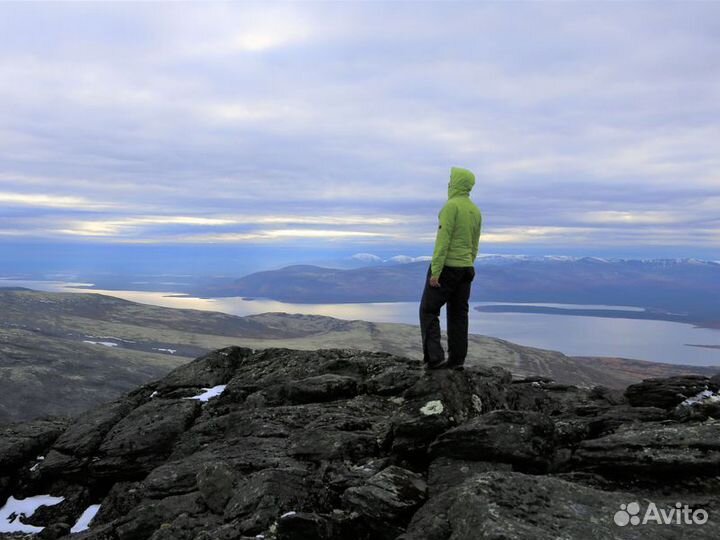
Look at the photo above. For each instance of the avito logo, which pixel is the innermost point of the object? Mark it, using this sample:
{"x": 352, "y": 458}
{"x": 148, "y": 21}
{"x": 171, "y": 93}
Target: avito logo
{"x": 681, "y": 514}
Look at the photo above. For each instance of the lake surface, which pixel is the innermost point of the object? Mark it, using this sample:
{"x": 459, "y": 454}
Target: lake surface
{"x": 659, "y": 341}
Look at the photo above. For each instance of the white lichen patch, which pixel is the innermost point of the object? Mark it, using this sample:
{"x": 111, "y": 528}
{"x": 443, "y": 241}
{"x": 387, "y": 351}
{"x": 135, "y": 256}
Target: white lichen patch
{"x": 476, "y": 403}
{"x": 432, "y": 407}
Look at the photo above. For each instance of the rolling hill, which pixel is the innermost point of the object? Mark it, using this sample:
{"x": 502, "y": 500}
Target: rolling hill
{"x": 62, "y": 353}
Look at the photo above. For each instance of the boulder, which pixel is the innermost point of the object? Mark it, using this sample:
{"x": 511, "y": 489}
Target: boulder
{"x": 439, "y": 400}
{"x": 666, "y": 393}
{"x": 506, "y": 505}
{"x": 654, "y": 451}
{"x": 387, "y": 500}
{"x": 144, "y": 438}
{"x": 213, "y": 369}
{"x": 326, "y": 387}
{"x": 21, "y": 443}
{"x": 524, "y": 439}
{"x": 262, "y": 497}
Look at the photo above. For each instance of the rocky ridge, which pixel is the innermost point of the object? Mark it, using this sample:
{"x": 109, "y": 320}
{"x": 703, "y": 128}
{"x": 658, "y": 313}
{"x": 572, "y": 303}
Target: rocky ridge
{"x": 345, "y": 444}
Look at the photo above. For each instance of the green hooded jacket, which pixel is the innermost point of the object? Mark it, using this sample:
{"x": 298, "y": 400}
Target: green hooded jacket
{"x": 458, "y": 234}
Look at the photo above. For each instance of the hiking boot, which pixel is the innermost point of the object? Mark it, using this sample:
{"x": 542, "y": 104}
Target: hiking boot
{"x": 437, "y": 365}
{"x": 455, "y": 366}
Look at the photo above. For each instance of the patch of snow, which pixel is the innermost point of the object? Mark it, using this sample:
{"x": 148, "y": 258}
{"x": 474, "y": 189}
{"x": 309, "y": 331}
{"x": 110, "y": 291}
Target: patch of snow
{"x": 209, "y": 393}
{"x": 16, "y": 509}
{"x": 706, "y": 396}
{"x": 404, "y": 259}
{"x": 288, "y": 514}
{"x": 155, "y": 393}
{"x": 366, "y": 257}
{"x": 432, "y": 407}
{"x": 111, "y": 337}
{"x": 171, "y": 351}
{"x": 39, "y": 459}
{"x": 83, "y": 522}
{"x": 105, "y": 343}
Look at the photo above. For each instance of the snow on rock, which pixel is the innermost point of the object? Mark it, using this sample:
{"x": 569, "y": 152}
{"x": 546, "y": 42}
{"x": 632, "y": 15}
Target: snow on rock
{"x": 83, "y": 522}
{"x": 705, "y": 396}
{"x": 366, "y": 257}
{"x": 171, "y": 351}
{"x": 288, "y": 514}
{"x": 209, "y": 393}
{"x": 432, "y": 407}
{"x": 39, "y": 459}
{"x": 15, "y": 509}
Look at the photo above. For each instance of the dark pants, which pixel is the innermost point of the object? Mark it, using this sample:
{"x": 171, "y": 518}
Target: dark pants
{"x": 454, "y": 291}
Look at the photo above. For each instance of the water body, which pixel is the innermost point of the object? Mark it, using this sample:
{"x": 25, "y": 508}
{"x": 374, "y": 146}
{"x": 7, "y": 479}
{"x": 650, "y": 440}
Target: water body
{"x": 574, "y": 335}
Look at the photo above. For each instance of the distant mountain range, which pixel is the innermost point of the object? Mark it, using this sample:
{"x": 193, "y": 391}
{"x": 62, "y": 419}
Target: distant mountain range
{"x": 62, "y": 353}
{"x": 669, "y": 289}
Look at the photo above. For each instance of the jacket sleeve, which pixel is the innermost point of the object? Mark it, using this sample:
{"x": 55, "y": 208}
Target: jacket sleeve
{"x": 476, "y": 239}
{"x": 447, "y": 217}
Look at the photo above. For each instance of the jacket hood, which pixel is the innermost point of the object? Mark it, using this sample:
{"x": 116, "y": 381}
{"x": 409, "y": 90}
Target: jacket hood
{"x": 461, "y": 182}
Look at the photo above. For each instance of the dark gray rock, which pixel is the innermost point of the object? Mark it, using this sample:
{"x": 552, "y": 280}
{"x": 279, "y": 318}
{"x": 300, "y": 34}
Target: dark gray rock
{"x": 54, "y": 531}
{"x": 387, "y": 500}
{"x": 262, "y": 497}
{"x": 213, "y": 369}
{"x": 666, "y": 393}
{"x": 337, "y": 443}
{"x": 20, "y": 446}
{"x": 654, "y": 451}
{"x": 174, "y": 477}
{"x": 151, "y": 515}
{"x": 305, "y": 526}
{"x": 216, "y": 482}
{"x": 326, "y": 387}
{"x": 522, "y": 438}
{"x": 439, "y": 400}
{"x": 70, "y": 454}
{"x": 84, "y": 436}
{"x": 392, "y": 381}
{"x": 509, "y": 505}
{"x": 445, "y": 473}
{"x": 21, "y": 443}
{"x": 144, "y": 438}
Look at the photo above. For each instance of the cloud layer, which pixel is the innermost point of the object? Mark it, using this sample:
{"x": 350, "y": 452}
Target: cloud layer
{"x": 587, "y": 124}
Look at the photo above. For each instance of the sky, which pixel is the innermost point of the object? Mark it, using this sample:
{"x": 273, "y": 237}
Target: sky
{"x": 206, "y": 135}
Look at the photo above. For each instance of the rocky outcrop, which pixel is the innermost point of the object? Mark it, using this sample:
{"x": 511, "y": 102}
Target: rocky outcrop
{"x": 345, "y": 444}
{"x": 669, "y": 392}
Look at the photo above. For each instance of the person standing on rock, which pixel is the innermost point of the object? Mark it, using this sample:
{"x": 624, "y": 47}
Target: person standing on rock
{"x": 449, "y": 277}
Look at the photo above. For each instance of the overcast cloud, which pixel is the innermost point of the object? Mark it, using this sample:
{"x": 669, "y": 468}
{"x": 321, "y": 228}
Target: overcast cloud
{"x": 586, "y": 124}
